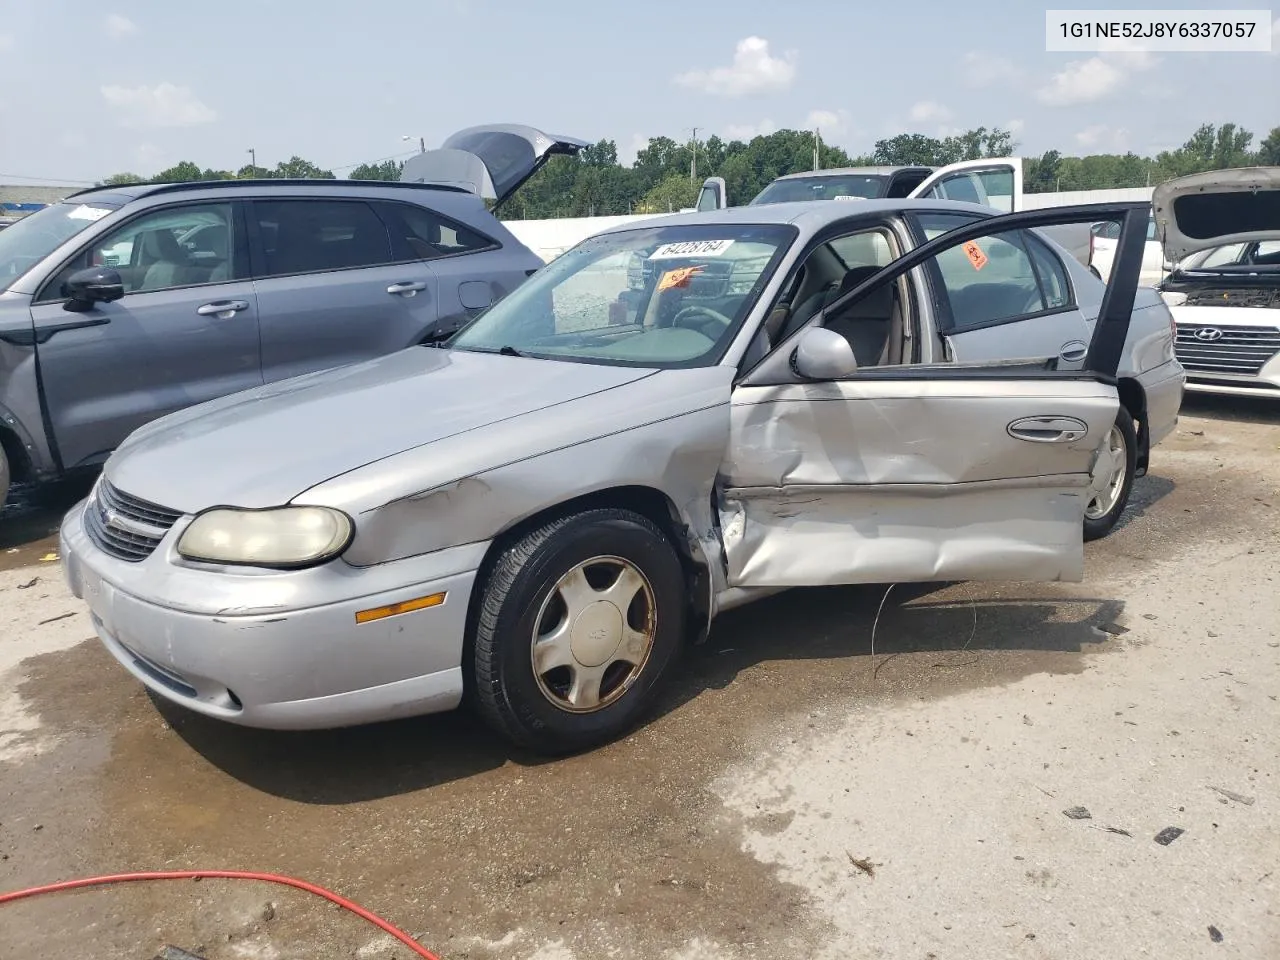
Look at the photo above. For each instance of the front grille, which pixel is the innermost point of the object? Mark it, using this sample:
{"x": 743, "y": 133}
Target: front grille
{"x": 1204, "y": 348}
{"x": 124, "y": 526}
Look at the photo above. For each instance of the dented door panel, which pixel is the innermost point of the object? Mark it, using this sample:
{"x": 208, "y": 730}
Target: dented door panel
{"x": 881, "y": 480}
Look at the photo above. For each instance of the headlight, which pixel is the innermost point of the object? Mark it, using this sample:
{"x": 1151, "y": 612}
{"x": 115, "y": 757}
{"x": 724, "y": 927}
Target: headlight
{"x": 281, "y": 537}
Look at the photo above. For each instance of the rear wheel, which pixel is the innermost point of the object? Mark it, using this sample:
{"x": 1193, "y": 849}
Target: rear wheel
{"x": 1112, "y": 479}
{"x": 578, "y": 623}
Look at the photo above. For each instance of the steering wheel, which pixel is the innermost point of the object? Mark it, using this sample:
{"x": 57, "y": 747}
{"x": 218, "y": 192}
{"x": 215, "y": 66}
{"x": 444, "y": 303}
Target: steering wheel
{"x": 710, "y": 323}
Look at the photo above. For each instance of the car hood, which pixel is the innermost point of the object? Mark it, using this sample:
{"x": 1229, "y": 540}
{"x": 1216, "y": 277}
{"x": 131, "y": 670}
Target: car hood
{"x": 490, "y": 161}
{"x": 263, "y": 447}
{"x": 1217, "y": 208}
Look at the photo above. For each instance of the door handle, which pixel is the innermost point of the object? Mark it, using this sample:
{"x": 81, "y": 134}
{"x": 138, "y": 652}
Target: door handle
{"x": 408, "y": 288}
{"x": 222, "y": 309}
{"x": 1073, "y": 351}
{"x": 1048, "y": 429}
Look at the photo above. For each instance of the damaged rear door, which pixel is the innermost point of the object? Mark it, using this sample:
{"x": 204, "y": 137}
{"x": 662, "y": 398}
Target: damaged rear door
{"x": 922, "y": 472}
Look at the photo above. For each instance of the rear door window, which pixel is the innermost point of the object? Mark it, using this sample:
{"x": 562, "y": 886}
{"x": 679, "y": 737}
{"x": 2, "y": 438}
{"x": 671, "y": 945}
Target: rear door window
{"x": 992, "y": 279}
{"x": 312, "y": 236}
{"x": 422, "y": 234}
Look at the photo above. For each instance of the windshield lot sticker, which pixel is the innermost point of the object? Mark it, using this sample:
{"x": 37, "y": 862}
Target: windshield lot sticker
{"x": 691, "y": 248}
{"x": 975, "y": 255}
{"x": 84, "y": 212}
{"x": 680, "y": 277}
{"x": 845, "y": 196}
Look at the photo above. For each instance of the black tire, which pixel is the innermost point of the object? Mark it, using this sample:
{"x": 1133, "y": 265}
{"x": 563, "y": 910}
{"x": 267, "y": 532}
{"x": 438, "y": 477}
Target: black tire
{"x": 507, "y": 692}
{"x": 1095, "y": 528}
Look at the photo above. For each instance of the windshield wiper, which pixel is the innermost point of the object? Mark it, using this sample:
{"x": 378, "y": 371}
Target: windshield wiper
{"x": 510, "y": 352}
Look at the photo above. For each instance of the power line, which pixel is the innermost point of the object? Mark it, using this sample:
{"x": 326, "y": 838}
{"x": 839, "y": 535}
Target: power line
{"x": 359, "y": 163}
{"x": 63, "y": 182}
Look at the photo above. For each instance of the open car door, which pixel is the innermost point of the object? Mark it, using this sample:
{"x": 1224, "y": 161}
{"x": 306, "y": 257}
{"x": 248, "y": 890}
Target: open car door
{"x": 490, "y": 161}
{"x": 995, "y": 182}
{"x": 713, "y": 195}
{"x": 922, "y": 473}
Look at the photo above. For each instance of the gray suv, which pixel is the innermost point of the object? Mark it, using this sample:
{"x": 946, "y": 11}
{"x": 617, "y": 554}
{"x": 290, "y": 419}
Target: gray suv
{"x": 123, "y": 304}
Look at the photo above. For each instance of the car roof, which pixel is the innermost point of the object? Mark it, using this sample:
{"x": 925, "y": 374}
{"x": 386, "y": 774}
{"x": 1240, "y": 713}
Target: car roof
{"x": 124, "y": 193}
{"x": 882, "y": 171}
{"x": 809, "y": 215}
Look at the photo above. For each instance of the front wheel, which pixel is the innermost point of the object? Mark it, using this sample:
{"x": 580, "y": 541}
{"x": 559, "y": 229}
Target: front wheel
{"x": 578, "y": 623}
{"x": 1112, "y": 478}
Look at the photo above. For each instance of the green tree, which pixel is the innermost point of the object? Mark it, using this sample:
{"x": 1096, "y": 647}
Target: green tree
{"x": 386, "y": 170}
{"x": 120, "y": 179}
{"x": 295, "y": 168}
{"x": 182, "y": 172}
{"x": 1209, "y": 148}
{"x": 1269, "y": 149}
{"x": 601, "y": 154}
{"x": 674, "y": 192}
{"x": 251, "y": 172}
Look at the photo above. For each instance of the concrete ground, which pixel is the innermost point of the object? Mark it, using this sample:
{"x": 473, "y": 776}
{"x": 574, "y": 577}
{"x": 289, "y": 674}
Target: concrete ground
{"x": 797, "y": 794}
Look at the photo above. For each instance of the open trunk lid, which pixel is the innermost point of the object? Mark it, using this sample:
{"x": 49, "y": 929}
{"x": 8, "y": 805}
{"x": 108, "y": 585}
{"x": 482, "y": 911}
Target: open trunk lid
{"x": 1217, "y": 208}
{"x": 490, "y": 161}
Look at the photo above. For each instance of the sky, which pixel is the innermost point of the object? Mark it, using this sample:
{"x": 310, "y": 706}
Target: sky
{"x": 90, "y": 89}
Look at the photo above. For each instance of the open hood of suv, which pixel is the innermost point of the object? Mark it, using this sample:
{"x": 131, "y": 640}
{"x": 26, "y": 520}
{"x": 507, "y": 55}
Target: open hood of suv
{"x": 1217, "y": 208}
{"x": 489, "y": 161}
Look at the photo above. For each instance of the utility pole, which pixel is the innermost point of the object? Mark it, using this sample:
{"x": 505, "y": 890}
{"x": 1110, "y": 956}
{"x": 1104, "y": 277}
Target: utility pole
{"x": 817, "y": 147}
{"x": 693, "y": 167}
{"x": 253, "y": 159}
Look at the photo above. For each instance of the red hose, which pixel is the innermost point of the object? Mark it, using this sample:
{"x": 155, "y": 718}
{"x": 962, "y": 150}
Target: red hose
{"x": 329, "y": 895}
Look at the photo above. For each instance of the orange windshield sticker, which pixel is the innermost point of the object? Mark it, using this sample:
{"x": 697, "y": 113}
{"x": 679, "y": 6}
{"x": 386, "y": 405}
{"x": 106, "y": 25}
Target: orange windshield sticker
{"x": 680, "y": 277}
{"x": 975, "y": 255}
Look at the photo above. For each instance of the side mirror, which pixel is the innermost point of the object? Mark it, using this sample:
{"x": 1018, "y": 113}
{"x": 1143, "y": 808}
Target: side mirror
{"x": 823, "y": 354}
{"x": 93, "y": 285}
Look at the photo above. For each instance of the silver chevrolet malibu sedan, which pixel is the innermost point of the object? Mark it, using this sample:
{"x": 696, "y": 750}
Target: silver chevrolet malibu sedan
{"x": 671, "y": 419}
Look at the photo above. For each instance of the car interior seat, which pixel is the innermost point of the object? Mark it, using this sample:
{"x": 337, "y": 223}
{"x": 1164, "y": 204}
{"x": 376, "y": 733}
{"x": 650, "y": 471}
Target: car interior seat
{"x": 868, "y": 323}
{"x": 167, "y": 262}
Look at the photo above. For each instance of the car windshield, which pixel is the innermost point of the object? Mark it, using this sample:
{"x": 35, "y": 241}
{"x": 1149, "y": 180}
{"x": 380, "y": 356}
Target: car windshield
{"x": 1263, "y": 254}
{"x": 37, "y": 235}
{"x": 838, "y": 187}
{"x": 666, "y": 296}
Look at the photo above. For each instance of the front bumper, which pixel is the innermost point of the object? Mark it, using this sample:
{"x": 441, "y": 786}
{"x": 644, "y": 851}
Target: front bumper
{"x": 300, "y": 662}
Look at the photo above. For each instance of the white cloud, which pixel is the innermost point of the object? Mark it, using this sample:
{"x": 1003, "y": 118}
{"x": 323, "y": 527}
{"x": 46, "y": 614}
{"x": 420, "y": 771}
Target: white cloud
{"x": 831, "y": 123}
{"x": 1082, "y": 81}
{"x": 1015, "y": 126}
{"x": 747, "y": 131}
{"x": 1101, "y": 137}
{"x": 6, "y": 42}
{"x": 627, "y": 151}
{"x": 118, "y": 26}
{"x": 754, "y": 70}
{"x": 928, "y": 111}
{"x": 1087, "y": 81}
{"x": 148, "y": 157}
{"x": 164, "y": 105}
{"x": 983, "y": 69}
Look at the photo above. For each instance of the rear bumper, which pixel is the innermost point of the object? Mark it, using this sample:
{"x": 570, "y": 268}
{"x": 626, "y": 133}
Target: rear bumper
{"x": 1163, "y": 387}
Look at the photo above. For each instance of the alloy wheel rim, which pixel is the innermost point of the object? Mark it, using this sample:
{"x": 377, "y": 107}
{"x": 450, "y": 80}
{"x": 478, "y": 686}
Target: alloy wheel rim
{"x": 1110, "y": 480}
{"x": 594, "y": 634}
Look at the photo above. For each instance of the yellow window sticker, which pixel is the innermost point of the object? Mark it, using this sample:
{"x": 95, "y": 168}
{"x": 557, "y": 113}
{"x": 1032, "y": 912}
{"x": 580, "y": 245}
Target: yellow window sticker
{"x": 975, "y": 255}
{"x": 680, "y": 277}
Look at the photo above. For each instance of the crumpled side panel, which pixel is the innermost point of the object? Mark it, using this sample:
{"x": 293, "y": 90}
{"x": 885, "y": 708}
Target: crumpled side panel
{"x": 885, "y": 481}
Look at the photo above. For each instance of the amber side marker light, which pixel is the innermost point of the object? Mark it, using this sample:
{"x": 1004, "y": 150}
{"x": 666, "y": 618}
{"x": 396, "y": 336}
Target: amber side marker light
{"x": 395, "y": 609}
